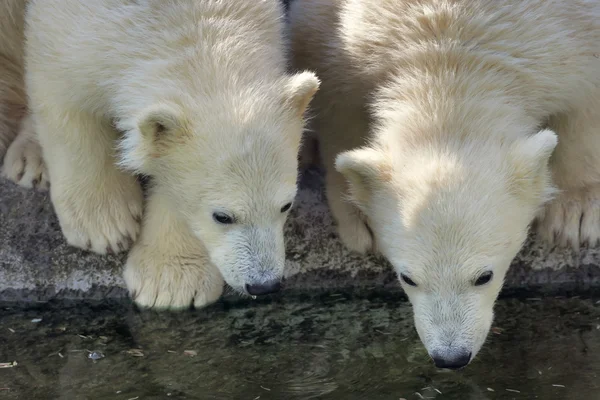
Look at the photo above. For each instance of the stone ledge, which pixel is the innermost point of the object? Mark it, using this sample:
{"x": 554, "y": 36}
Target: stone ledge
{"x": 37, "y": 265}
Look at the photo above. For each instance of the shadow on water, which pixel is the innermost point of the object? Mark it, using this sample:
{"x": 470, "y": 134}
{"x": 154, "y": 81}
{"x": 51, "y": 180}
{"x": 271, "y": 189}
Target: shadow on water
{"x": 338, "y": 348}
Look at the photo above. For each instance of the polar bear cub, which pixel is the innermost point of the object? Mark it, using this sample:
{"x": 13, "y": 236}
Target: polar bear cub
{"x": 439, "y": 120}
{"x": 194, "y": 94}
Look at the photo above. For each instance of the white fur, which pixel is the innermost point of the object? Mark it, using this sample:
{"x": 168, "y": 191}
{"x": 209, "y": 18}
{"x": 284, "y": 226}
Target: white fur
{"x": 438, "y": 119}
{"x": 194, "y": 94}
{"x": 19, "y": 150}
{"x": 23, "y": 162}
{"x": 12, "y": 94}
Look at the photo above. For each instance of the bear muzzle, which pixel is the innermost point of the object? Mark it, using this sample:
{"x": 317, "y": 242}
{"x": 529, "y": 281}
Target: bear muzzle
{"x": 451, "y": 358}
{"x": 264, "y": 288}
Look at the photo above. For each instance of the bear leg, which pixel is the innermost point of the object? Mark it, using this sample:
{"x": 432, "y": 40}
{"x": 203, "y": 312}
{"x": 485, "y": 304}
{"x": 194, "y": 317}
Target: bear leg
{"x": 341, "y": 132}
{"x": 99, "y": 207}
{"x": 572, "y": 218}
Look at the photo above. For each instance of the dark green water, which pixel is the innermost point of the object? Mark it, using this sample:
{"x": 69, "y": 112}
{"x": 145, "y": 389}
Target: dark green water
{"x": 335, "y": 348}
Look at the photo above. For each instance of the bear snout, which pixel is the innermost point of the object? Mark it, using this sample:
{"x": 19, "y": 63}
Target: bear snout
{"x": 451, "y": 358}
{"x": 264, "y": 288}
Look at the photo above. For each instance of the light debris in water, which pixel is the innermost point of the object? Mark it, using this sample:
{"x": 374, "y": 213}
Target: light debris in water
{"x": 95, "y": 355}
{"x": 36, "y": 320}
{"x": 85, "y": 337}
{"x": 513, "y": 391}
{"x": 560, "y": 386}
{"x": 11, "y": 330}
{"x": 383, "y": 333}
{"x": 490, "y": 389}
{"x": 265, "y": 388}
{"x": 8, "y": 364}
{"x": 135, "y": 352}
{"x": 191, "y": 353}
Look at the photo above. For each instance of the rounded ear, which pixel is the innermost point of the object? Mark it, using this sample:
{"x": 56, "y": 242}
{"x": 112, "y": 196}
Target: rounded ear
{"x": 363, "y": 168}
{"x": 301, "y": 89}
{"x": 159, "y": 120}
{"x": 529, "y": 158}
{"x": 534, "y": 151}
{"x": 155, "y": 126}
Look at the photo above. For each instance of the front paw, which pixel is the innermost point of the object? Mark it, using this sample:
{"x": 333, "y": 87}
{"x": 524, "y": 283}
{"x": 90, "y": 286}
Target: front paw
{"x": 355, "y": 234}
{"x": 102, "y": 216}
{"x": 24, "y": 164}
{"x": 572, "y": 219}
{"x": 167, "y": 280}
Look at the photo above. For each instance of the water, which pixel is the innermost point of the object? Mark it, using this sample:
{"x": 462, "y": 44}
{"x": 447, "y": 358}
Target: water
{"x": 335, "y": 347}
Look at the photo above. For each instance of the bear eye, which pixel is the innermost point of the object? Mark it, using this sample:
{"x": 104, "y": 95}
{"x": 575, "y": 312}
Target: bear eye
{"x": 286, "y": 207}
{"x": 408, "y": 281}
{"x": 222, "y": 218}
{"x": 486, "y": 277}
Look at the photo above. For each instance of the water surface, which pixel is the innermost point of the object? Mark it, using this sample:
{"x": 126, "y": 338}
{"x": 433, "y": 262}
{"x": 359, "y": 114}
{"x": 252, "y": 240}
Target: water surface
{"x": 335, "y": 347}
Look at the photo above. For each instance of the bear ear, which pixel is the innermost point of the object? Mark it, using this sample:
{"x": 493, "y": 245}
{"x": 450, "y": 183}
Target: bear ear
{"x": 159, "y": 120}
{"x": 144, "y": 132}
{"x": 533, "y": 152}
{"x": 363, "y": 168}
{"x": 529, "y": 160}
{"x": 301, "y": 89}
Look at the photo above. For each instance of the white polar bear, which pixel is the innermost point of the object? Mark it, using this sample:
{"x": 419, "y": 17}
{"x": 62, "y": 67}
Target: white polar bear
{"x": 194, "y": 94}
{"x": 438, "y": 120}
{"x": 19, "y": 149}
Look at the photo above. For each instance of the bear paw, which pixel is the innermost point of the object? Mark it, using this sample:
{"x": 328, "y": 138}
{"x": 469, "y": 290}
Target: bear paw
{"x": 355, "y": 234}
{"x": 163, "y": 280}
{"x": 103, "y": 217}
{"x": 24, "y": 164}
{"x": 572, "y": 219}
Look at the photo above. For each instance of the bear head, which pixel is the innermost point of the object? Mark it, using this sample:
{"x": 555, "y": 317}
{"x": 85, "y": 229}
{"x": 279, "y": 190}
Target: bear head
{"x": 450, "y": 218}
{"x": 228, "y": 161}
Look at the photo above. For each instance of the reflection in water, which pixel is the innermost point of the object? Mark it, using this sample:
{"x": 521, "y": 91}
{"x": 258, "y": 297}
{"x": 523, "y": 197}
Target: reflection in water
{"x": 336, "y": 348}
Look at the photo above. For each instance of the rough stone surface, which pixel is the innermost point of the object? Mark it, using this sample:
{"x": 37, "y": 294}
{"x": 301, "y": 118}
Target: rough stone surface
{"x": 37, "y": 265}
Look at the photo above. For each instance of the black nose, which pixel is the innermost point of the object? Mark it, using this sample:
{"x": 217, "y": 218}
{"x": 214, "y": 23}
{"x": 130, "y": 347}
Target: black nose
{"x": 452, "y": 360}
{"x": 260, "y": 289}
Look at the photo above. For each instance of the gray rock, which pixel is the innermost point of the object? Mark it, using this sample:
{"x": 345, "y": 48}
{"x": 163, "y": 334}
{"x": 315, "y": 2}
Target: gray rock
{"x": 37, "y": 265}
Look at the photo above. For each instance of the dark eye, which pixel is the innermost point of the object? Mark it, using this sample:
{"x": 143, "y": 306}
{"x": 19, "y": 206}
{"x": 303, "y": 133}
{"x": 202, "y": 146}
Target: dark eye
{"x": 286, "y": 208}
{"x": 407, "y": 280}
{"x": 484, "y": 278}
{"x": 222, "y": 218}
